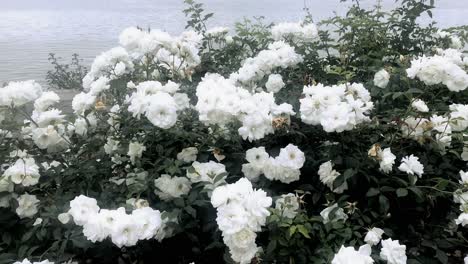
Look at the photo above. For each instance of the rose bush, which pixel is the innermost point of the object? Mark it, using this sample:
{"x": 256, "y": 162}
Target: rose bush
{"x": 339, "y": 142}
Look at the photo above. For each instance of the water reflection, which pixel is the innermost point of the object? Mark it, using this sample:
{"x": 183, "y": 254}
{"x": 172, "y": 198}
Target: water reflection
{"x": 30, "y": 29}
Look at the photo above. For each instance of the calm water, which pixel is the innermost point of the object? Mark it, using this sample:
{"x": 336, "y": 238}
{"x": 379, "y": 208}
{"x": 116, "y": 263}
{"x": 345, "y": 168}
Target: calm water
{"x": 30, "y": 29}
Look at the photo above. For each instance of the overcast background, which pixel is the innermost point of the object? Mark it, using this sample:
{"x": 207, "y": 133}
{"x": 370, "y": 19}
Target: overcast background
{"x": 30, "y": 29}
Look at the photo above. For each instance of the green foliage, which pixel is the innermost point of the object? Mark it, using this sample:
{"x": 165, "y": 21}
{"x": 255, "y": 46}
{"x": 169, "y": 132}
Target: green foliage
{"x": 195, "y": 18}
{"x": 351, "y": 48}
{"x": 66, "y": 76}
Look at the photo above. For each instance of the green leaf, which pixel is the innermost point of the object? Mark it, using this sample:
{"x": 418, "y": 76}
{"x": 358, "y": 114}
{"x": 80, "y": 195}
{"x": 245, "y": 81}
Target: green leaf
{"x": 271, "y": 246}
{"x": 441, "y": 256}
{"x": 418, "y": 192}
{"x": 303, "y": 231}
{"x": 292, "y": 230}
{"x": 401, "y": 192}
{"x": 384, "y": 203}
{"x": 349, "y": 173}
{"x": 372, "y": 192}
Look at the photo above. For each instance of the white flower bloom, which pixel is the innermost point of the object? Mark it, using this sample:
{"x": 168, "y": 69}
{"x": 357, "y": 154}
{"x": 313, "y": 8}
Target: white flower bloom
{"x": 292, "y": 157}
{"x": 19, "y": 93}
{"x": 135, "y": 150}
{"x": 275, "y": 83}
{"x": 82, "y": 102}
{"x": 459, "y": 117}
{"x": 299, "y": 33}
{"x": 374, "y": 236}
{"x": 37, "y": 222}
{"x": 274, "y": 170}
{"x": 182, "y": 101}
{"x": 393, "y": 252}
{"x": 288, "y": 204}
{"x": 82, "y": 208}
{"x": 251, "y": 172}
{"x": 339, "y": 214}
{"x": 64, "y": 218}
{"x": 46, "y": 100}
{"x": 381, "y": 78}
{"x": 162, "y": 110}
{"x": 411, "y": 165}
{"x": 6, "y": 185}
{"x": 206, "y": 172}
{"x": 328, "y": 176}
{"x": 387, "y": 160}
{"x": 27, "y": 205}
{"x": 111, "y": 146}
{"x": 420, "y": 106}
{"x": 416, "y": 128}
{"x": 99, "y": 86}
{"x": 348, "y": 255}
{"x": 464, "y": 177}
{"x": 255, "y": 127}
{"x": 125, "y": 231}
{"x": 439, "y": 69}
{"x": 171, "y": 187}
{"x": 278, "y": 54}
{"x": 257, "y": 157}
{"x": 120, "y": 68}
{"x": 462, "y": 219}
{"x": 24, "y": 172}
{"x": 81, "y": 126}
{"x": 336, "y": 108}
{"x": 188, "y": 154}
{"x": 26, "y": 261}
{"x": 94, "y": 229}
{"x": 241, "y": 211}
{"x": 149, "y": 221}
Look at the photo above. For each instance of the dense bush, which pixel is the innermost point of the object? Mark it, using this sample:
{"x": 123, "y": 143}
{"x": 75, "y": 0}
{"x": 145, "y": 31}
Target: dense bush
{"x": 286, "y": 143}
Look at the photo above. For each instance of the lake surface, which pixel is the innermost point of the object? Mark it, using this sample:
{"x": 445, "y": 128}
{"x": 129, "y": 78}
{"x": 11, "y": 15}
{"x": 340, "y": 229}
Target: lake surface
{"x": 31, "y": 29}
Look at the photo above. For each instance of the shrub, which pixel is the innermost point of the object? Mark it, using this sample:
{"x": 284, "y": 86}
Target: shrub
{"x": 344, "y": 142}
{"x": 66, "y": 76}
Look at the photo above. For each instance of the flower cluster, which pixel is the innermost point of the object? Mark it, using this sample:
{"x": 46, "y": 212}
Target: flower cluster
{"x": 220, "y": 102}
{"x": 17, "y": 94}
{"x": 278, "y": 54}
{"x": 46, "y": 126}
{"x": 241, "y": 212}
{"x": 211, "y": 173}
{"x": 446, "y": 68}
{"x": 168, "y": 187}
{"x": 123, "y": 229}
{"x": 295, "y": 32}
{"x": 159, "y": 103}
{"x": 336, "y": 108}
{"x": 436, "y": 128}
{"x": 285, "y": 167}
{"x": 27, "y": 261}
{"x": 178, "y": 54}
{"x": 392, "y": 252}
